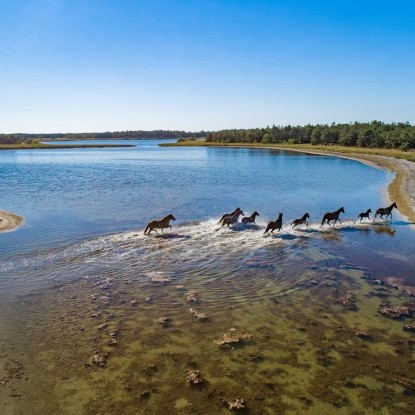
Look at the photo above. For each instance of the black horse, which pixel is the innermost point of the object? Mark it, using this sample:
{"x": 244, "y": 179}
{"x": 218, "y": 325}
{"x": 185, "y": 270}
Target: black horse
{"x": 274, "y": 225}
{"x": 386, "y": 211}
{"x": 300, "y": 221}
{"x": 364, "y": 215}
{"x": 250, "y": 219}
{"x": 329, "y": 216}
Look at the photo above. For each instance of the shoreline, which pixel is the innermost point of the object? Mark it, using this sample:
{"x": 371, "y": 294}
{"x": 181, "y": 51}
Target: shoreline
{"x": 9, "y": 221}
{"x": 58, "y": 146}
{"x": 400, "y": 190}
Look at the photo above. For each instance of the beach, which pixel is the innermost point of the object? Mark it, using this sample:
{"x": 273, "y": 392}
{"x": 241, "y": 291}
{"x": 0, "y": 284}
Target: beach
{"x": 9, "y": 221}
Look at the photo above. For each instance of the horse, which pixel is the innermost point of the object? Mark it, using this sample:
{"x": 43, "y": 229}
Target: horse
{"x": 250, "y": 219}
{"x": 386, "y": 211}
{"x": 230, "y": 220}
{"x": 274, "y": 225}
{"x": 159, "y": 224}
{"x": 364, "y": 215}
{"x": 300, "y": 221}
{"x": 329, "y": 216}
{"x": 227, "y": 215}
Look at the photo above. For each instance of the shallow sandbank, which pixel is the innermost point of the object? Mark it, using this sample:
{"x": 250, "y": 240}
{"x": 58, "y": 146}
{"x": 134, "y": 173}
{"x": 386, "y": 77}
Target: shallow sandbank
{"x": 9, "y": 221}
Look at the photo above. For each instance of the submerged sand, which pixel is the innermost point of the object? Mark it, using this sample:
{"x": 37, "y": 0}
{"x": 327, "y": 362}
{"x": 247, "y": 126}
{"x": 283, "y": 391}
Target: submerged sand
{"x": 9, "y": 221}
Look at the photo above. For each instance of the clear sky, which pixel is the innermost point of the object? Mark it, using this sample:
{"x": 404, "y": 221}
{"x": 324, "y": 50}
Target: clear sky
{"x": 105, "y": 65}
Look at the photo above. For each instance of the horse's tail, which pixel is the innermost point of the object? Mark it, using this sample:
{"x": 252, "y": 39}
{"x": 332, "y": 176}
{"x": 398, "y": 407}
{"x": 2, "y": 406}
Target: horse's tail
{"x": 221, "y": 219}
{"x": 324, "y": 218}
{"x": 148, "y": 227}
{"x": 268, "y": 228}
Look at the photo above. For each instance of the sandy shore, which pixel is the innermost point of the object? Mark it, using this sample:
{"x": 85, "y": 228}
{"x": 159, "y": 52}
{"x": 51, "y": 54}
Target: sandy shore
{"x": 9, "y": 221}
{"x": 402, "y": 188}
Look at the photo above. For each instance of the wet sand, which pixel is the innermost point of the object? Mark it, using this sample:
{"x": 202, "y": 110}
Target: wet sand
{"x": 9, "y": 221}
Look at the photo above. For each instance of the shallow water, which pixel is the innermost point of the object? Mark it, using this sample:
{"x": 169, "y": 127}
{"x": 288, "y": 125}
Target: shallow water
{"x": 80, "y": 269}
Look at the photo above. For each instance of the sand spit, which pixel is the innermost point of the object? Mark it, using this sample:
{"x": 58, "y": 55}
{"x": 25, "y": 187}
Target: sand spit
{"x": 9, "y": 221}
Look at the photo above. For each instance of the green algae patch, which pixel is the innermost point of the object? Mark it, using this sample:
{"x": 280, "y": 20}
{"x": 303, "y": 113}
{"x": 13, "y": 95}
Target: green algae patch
{"x": 317, "y": 344}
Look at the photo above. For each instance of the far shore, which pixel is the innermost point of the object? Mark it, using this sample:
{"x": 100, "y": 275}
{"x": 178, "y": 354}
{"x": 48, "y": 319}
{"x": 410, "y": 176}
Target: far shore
{"x": 36, "y": 146}
{"x": 401, "y": 190}
{"x": 9, "y": 221}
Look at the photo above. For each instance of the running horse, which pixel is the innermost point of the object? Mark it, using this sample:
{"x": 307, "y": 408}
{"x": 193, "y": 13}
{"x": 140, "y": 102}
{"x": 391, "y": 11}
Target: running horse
{"x": 329, "y": 216}
{"x": 159, "y": 224}
{"x": 230, "y": 220}
{"x": 228, "y": 215}
{"x": 300, "y": 221}
{"x": 386, "y": 211}
{"x": 250, "y": 219}
{"x": 364, "y": 215}
{"x": 277, "y": 224}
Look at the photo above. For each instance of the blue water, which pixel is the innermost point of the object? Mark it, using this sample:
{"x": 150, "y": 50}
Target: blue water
{"x": 72, "y": 195}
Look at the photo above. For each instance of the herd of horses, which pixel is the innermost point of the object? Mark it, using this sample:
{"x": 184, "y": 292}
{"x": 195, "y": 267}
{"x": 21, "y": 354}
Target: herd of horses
{"x": 232, "y": 218}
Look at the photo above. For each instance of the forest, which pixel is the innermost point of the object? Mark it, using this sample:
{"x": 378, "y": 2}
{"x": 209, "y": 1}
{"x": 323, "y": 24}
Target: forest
{"x": 136, "y": 134}
{"x": 375, "y": 134}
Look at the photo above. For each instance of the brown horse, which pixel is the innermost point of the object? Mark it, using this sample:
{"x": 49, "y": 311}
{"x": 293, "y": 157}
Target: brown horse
{"x": 300, "y": 221}
{"x": 274, "y": 225}
{"x": 159, "y": 224}
{"x": 329, "y": 216}
{"x": 386, "y": 211}
{"x": 227, "y": 215}
{"x": 250, "y": 219}
{"x": 230, "y": 220}
{"x": 364, "y": 215}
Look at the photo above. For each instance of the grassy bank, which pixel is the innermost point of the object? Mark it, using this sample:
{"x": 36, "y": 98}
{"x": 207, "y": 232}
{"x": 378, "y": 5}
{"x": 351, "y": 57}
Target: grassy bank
{"x": 35, "y": 146}
{"x": 389, "y": 159}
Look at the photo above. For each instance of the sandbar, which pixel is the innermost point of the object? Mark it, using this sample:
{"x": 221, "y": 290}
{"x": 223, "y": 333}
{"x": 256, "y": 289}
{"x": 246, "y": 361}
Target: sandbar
{"x": 9, "y": 221}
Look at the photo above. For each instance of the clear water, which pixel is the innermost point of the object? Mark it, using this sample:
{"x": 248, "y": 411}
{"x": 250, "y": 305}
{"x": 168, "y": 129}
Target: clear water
{"x": 82, "y": 252}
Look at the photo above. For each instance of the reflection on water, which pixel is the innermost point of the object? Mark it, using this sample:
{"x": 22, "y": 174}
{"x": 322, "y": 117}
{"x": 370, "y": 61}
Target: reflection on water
{"x": 81, "y": 306}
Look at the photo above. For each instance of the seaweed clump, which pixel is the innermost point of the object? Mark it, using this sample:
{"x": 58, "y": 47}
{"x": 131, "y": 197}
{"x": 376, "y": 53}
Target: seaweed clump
{"x": 193, "y": 377}
{"x": 237, "y": 403}
{"x": 394, "y": 311}
{"x": 399, "y": 283}
{"x": 192, "y": 296}
{"x": 199, "y": 316}
{"x": 232, "y": 337}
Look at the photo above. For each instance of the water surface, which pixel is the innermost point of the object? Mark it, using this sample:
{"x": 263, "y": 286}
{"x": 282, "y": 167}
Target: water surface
{"x": 80, "y": 268}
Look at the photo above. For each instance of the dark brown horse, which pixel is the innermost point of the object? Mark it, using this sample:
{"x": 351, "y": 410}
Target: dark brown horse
{"x": 386, "y": 211}
{"x": 250, "y": 219}
{"x": 329, "y": 216}
{"x": 227, "y": 215}
{"x": 300, "y": 221}
{"x": 159, "y": 224}
{"x": 364, "y": 215}
{"x": 230, "y": 220}
{"x": 274, "y": 225}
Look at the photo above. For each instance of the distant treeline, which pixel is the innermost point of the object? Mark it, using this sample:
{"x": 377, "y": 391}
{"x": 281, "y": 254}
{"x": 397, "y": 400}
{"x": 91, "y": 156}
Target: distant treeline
{"x": 21, "y": 138}
{"x": 373, "y": 134}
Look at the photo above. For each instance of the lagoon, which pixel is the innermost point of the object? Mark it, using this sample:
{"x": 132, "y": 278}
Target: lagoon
{"x": 82, "y": 252}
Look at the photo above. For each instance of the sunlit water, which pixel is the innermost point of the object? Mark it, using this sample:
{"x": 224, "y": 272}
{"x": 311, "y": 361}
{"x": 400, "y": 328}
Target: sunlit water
{"x": 82, "y": 252}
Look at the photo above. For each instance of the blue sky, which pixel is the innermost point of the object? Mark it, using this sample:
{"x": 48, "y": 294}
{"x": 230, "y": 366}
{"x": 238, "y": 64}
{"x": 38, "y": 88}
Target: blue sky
{"x": 101, "y": 65}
